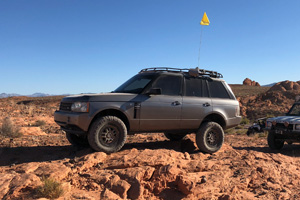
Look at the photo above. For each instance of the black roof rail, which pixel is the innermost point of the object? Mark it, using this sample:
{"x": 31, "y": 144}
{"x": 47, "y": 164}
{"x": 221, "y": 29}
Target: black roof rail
{"x": 165, "y": 69}
{"x": 192, "y": 72}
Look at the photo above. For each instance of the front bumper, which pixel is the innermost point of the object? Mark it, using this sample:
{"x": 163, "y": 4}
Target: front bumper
{"x": 72, "y": 122}
{"x": 285, "y": 135}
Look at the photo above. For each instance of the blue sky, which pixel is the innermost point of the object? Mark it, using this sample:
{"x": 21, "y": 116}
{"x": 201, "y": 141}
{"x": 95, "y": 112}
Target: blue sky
{"x": 78, "y": 46}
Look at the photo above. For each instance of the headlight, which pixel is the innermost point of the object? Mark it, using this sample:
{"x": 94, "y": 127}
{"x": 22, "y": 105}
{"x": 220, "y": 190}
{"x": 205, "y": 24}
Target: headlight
{"x": 298, "y": 127}
{"x": 80, "y": 107}
{"x": 269, "y": 124}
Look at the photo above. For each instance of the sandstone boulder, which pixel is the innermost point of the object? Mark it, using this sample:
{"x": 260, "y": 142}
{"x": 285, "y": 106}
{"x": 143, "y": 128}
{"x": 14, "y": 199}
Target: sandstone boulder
{"x": 250, "y": 82}
{"x": 286, "y": 86}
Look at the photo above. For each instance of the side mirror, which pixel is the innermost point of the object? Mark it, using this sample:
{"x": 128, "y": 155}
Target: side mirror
{"x": 155, "y": 91}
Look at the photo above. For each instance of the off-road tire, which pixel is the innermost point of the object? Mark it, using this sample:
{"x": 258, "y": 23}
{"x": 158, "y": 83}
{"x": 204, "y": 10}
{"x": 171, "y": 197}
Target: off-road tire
{"x": 251, "y": 132}
{"x": 174, "y": 137}
{"x": 107, "y": 134}
{"x": 210, "y": 137}
{"x": 273, "y": 143}
{"x": 80, "y": 141}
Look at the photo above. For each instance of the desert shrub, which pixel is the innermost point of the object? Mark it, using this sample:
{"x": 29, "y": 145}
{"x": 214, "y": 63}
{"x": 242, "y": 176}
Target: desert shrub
{"x": 8, "y": 129}
{"x": 230, "y": 131}
{"x": 239, "y": 127}
{"x": 50, "y": 189}
{"x": 270, "y": 115}
{"x": 245, "y": 121}
{"x": 263, "y": 134}
{"x": 238, "y": 130}
{"x": 39, "y": 123}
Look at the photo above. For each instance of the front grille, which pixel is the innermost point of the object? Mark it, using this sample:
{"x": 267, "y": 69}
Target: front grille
{"x": 65, "y": 106}
{"x": 282, "y": 126}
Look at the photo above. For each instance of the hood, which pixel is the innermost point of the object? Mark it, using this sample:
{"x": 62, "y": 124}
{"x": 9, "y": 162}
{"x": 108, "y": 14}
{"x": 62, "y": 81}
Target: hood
{"x": 289, "y": 119}
{"x": 107, "y": 97}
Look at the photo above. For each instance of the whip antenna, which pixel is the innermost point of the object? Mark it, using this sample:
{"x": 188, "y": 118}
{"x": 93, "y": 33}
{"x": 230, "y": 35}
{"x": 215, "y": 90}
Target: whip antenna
{"x": 204, "y": 22}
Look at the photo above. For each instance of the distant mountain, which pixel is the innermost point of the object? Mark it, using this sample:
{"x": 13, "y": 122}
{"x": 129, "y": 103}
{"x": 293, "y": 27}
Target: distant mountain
{"x": 5, "y": 95}
{"x": 269, "y": 85}
{"x": 39, "y": 95}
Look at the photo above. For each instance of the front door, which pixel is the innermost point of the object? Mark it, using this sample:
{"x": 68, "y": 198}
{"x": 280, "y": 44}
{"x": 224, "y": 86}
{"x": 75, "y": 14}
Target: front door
{"x": 162, "y": 112}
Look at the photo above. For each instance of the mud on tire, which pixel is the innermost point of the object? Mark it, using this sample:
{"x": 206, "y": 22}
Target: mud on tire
{"x": 107, "y": 134}
{"x": 210, "y": 137}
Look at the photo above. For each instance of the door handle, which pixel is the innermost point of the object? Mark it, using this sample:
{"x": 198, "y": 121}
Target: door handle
{"x": 206, "y": 104}
{"x": 176, "y": 103}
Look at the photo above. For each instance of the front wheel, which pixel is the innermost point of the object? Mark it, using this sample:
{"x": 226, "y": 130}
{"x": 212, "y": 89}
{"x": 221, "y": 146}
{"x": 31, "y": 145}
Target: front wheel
{"x": 273, "y": 143}
{"x": 107, "y": 134}
{"x": 210, "y": 137}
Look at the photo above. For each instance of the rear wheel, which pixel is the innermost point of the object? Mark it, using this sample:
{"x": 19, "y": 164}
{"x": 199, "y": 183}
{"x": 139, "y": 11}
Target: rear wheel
{"x": 107, "y": 134}
{"x": 174, "y": 137}
{"x": 273, "y": 142}
{"x": 210, "y": 137}
{"x": 76, "y": 140}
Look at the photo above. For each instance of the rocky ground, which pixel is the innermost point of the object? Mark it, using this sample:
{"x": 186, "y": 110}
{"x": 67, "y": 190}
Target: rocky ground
{"x": 148, "y": 167}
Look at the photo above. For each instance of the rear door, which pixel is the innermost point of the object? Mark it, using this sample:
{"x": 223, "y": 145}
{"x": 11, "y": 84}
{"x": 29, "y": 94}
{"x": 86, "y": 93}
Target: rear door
{"x": 196, "y": 102}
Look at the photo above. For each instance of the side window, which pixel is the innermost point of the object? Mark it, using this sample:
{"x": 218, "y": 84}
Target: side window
{"x": 169, "y": 85}
{"x": 195, "y": 87}
{"x": 217, "y": 90}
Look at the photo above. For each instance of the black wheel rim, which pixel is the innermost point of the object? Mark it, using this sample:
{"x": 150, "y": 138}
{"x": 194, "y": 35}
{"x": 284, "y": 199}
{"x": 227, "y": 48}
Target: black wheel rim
{"x": 212, "y": 138}
{"x": 109, "y": 135}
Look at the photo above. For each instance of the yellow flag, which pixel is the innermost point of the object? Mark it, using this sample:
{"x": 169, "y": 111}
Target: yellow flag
{"x": 205, "y": 20}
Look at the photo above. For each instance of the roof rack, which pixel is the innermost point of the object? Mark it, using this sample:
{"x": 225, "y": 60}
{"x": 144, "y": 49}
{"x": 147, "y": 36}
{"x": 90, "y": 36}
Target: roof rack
{"x": 192, "y": 72}
{"x": 165, "y": 69}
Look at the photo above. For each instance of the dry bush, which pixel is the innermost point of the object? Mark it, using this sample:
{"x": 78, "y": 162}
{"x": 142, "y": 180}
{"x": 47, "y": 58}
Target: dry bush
{"x": 39, "y": 123}
{"x": 8, "y": 129}
{"x": 245, "y": 121}
{"x": 50, "y": 189}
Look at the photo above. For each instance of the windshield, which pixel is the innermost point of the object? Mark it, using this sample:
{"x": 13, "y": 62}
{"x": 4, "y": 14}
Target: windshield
{"x": 295, "y": 110}
{"x": 136, "y": 84}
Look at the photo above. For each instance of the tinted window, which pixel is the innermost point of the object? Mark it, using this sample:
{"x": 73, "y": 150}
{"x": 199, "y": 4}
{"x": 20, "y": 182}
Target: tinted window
{"x": 169, "y": 85}
{"x": 217, "y": 90}
{"x": 195, "y": 87}
{"x": 295, "y": 110}
{"x": 136, "y": 84}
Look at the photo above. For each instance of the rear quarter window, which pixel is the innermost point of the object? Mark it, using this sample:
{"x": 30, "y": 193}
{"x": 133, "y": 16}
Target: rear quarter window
{"x": 218, "y": 90}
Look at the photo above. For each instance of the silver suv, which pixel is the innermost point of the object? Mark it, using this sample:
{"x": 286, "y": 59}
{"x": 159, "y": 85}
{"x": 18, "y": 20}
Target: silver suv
{"x": 170, "y": 100}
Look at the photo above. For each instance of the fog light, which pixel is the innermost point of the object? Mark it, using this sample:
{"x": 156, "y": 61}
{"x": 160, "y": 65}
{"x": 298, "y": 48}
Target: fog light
{"x": 286, "y": 124}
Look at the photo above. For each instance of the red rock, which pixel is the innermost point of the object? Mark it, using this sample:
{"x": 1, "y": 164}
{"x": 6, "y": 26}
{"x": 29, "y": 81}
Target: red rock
{"x": 22, "y": 181}
{"x": 249, "y": 82}
{"x": 185, "y": 185}
{"x": 286, "y": 86}
{"x": 90, "y": 160}
{"x": 5, "y": 180}
{"x": 118, "y": 186}
{"x": 57, "y": 171}
{"x": 109, "y": 195}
